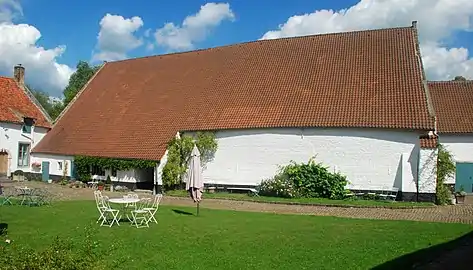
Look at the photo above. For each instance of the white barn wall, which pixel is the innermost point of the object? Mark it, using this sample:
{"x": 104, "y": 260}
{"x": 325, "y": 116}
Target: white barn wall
{"x": 10, "y": 137}
{"x": 370, "y": 158}
{"x": 54, "y": 168}
{"x": 460, "y": 146}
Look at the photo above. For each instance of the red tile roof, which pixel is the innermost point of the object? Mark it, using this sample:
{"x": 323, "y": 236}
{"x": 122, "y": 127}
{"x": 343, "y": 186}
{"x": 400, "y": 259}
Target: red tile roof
{"x": 15, "y": 104}
{"x": 453, "y": 104}
{"x": 132, "y": 108}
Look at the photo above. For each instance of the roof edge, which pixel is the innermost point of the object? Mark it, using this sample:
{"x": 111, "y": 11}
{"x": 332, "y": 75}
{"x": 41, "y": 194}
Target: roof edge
{"x": 66, "y": 109}
{"x": 264, "y": 40}
{"x": 451, "y": 81}
{"x": 35, "y": 101}
{"x": 430, "y": 106}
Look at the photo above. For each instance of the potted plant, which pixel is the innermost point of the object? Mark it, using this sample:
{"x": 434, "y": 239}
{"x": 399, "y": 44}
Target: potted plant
{"x": 100, "y": 185}
{"x": 460, "y": 195}
{"x": 36, "y": 166}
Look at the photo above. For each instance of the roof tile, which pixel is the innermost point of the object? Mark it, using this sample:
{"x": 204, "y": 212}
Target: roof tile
{"x": 453, "y": 105}
{"x": 132, "y": 108}
{"x": 15, "y": 104}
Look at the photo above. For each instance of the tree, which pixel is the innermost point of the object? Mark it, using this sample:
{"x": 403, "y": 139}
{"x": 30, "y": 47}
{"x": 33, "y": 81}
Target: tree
{"x": 459, "y": 78}
{"x": 52, "y": 107}
{"x": 76, "y": 82}
{"x": 78, "y": 79}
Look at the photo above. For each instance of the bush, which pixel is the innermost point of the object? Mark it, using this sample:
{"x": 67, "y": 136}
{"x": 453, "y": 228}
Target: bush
{"x": 309, "y": 179}
{"x": 445, "y": 169}
{"x": 61, "y": 254}
{"x": 278, "y": 186}
{"x": 443, "y": 195}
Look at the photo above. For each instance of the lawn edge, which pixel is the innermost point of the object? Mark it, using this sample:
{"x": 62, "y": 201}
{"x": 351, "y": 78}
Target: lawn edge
{"x": 313, "y": 204}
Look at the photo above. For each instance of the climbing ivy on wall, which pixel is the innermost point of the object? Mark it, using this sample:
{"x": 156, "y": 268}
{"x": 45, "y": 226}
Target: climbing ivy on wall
{"x": 445, "y": 169}
{"x": 83, "y": 164}
{"x": 179, "y": 150}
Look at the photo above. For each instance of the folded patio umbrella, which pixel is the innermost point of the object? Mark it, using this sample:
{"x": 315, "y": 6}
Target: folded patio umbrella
{"x": 194, "y": 182}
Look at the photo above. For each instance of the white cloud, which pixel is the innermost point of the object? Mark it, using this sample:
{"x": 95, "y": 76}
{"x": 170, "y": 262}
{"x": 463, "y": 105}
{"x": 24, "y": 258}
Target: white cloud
{"x": 18, "y": 45}
{"x": 117, "y": 37}
{"x": 10, "y": 10}
{"x": 438, "y": 21}
{"x": 194, "y": 28}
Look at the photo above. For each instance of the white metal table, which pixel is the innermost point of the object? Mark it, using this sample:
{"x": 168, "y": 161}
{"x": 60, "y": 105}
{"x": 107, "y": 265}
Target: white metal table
{"x": 124, "y": 202}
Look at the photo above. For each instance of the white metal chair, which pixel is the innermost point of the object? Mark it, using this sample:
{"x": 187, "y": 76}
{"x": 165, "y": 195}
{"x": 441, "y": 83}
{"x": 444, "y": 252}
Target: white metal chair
{"x": 140, "y": 215}
{"x": 131, "y": 196}
{"x": 154, "y": 208}
{"x": 109, "y": 213}
{"x": 100, "y": 207}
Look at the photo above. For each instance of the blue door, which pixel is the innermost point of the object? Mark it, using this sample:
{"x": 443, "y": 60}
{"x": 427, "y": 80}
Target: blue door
{"x": 73, "y": 170}
{"x": 45, "y": 171}
{"x": 464, "y": 177}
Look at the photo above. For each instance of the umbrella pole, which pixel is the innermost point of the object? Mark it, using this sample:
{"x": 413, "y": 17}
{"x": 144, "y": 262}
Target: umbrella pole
{"x": 198, "y": 206}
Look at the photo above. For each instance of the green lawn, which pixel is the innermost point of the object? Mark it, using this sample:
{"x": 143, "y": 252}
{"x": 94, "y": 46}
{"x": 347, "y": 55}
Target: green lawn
{"x": 230, "y": 240}
{"x": 310, "y": 201}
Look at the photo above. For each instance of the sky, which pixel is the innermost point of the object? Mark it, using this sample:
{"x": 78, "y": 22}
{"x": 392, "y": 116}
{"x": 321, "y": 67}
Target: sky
{"x": 49, "y": 37}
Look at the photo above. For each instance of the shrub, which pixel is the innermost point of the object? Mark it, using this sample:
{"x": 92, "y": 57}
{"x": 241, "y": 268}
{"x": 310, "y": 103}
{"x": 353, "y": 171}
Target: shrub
{"x": 445, "y": 169}
{"x": 309, "y": 179}
{"x": 61, "y": 254}
{"x": 278, "y": 186}
{"x": 109, "y": 180}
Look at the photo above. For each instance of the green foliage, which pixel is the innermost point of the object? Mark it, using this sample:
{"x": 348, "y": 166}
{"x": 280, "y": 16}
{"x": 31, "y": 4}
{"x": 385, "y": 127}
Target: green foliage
{"x": 84, "y": 163}
{"x": 53, "y": 108}
{"x": 459, "y": 78}
{"x": 179, "y": 151}
{"x": 278, "y": 186}
{"x": 445, "y": 169}
{"x": 78, "y": 79}
{"x": 61, "y": 254}
{"x": 310, "y": 180}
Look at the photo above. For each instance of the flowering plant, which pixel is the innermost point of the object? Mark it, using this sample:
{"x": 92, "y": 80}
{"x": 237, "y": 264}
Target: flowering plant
{"x": 36, "y": 164}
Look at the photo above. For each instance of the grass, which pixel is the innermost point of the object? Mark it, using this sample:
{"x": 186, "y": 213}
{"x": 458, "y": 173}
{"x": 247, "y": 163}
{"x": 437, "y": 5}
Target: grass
{"x": 220, "y": 239}
{"x": 306, "y": 201}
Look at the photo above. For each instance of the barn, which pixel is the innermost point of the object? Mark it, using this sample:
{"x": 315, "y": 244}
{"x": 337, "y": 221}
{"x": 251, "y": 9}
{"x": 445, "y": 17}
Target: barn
{"x": 358, "y": 101}
{"x": 453, "y": 103}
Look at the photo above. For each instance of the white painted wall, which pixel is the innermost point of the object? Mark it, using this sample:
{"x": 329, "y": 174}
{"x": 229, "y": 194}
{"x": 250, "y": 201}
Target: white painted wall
{"x": 461, "y": 147}
{"x": 428, "y": 170}
{"x": 128, "y": 176}
{"x": 370, "y": 158}
{"x": 10, "y": 137}
{"x": 54, "y": 160}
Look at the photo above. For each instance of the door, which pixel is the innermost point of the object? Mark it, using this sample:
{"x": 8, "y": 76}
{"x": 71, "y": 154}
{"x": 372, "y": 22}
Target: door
{"x": 464, "y": 177}
{"x": 3, "y": 164}
{"x": 45, "y": 171}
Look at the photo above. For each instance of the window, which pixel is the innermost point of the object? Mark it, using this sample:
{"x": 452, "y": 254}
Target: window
{"x": 114, "y": 172}
{"x": 96, "y": 170}
{"x": 59, "y": 165}
{"x": 27, "y": 124}
{"x": 23, "y": 154}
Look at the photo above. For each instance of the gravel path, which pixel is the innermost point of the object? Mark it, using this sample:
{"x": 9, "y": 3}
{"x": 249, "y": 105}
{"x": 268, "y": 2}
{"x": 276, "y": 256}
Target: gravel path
{"x": 454, "y": 213}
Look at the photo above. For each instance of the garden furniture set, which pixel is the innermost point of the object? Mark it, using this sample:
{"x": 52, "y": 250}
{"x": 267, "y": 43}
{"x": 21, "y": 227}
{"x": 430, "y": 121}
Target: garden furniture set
{"x": 139, "y": 211}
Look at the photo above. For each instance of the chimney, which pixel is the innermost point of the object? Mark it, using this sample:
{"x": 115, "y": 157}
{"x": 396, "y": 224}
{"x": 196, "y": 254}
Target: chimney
{"x": 414, "y": 24}
{"x": 19, "y": 74}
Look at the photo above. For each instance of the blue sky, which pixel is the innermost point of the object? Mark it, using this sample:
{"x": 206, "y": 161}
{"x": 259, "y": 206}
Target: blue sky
{"x": 69, "y": 29}
{"x": 76, "y": 24}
